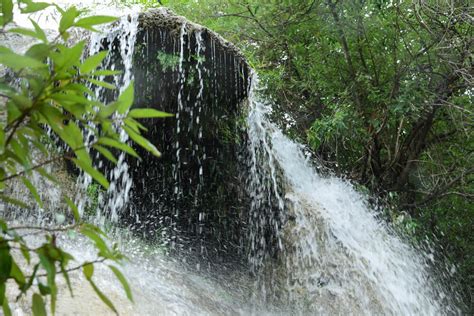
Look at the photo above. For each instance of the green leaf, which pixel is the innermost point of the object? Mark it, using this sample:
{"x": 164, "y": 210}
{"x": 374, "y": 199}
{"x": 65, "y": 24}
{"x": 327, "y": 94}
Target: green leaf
{"x": 73, "y": 135}
{"x": 17, "y": 274}
{"x": 148, "y": 113}
{"x": 13, "y": 112}
{"x": 17, "y": 62}
{"x": 74, "y": 209}
{"x": 39, "y": 52}
{"x": 6, "y": 261}
{"x": 143, "y": 142}
{"x": 34, "y": 7}
{"x": 88, "y": 270}
{"x": 2, "y": 140}
{"x": 107, "y": 110}
{"x": 123, "y": 281}
{"x": 39, "y": 31}
{"x": 92, "y": 62}
{"x": 66, "y": 58}
{"x": 38, "y": 305}
{"x": 102, "y": 84}
{"x": 106, "y": 153}
{"x": 102, "y": 296}
{"x": 100, "y": 244}
{"x": 94, "y": 173}
{"x": 94, "y": 20}
{"x": 66, "y": 277}
{"x": 46, "y": 175}
{"x": 28, "y": 285}
{"x": 32, "y": 190}
{"x": 67, "y": 19}
{"x": 4, "y": 300}
{"x": 2, "y": 292}
{"x": 13, "y": 201}
{"x": 80, "y": 88}
{"x": 7, "y": 11}
{"x": 54, "y": 117}
{"x": 44, "y": 289}
{"x": 21, "y": 101}
{"x": 6, "y": 89}
{"x": 26, "y": 253}
{"x": 106, "y": 73}
{"x": 134, "y": 124}
{"x": 6, "y": 308}
{"x": 54, "y": 295}
{"x": 125, "y": 99}
{"x": 24, "y": 31}
{"x": 47, "y": 263}
{"x": 116, "y": 144}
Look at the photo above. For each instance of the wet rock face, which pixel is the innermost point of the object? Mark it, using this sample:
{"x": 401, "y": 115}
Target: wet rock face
{"x": 191, "y": 197}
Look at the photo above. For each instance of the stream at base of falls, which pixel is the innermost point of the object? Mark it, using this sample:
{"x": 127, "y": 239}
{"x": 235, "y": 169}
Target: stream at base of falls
{"x": 327, "y": 254}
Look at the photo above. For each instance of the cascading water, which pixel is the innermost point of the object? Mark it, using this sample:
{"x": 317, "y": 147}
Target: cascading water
{"x": 337, "y": 257}
{"x": 306, "y": 240}
{"x": 123, "y": 35}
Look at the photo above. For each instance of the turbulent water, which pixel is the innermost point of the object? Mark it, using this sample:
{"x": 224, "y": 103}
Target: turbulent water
{"x": 337, "y": 257}
{"x": 315, "y": 244}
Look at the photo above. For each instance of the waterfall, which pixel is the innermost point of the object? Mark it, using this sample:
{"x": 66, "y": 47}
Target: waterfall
{"x": 121, "y": 35}
{"x": 275, "y": 235}
{"x": 337, "y": 257}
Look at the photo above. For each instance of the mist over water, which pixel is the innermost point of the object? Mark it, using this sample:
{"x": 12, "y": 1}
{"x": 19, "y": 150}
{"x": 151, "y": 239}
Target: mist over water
{"x": 313, "y": 244}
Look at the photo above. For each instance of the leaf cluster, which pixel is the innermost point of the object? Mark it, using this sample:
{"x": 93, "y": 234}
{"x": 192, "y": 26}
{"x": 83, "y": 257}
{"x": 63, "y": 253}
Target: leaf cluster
{"x": 51, "y": 100}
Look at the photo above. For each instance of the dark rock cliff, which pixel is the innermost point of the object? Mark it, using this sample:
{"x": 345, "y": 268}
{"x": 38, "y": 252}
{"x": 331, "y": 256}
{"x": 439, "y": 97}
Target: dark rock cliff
{"x": 192, "y": 197}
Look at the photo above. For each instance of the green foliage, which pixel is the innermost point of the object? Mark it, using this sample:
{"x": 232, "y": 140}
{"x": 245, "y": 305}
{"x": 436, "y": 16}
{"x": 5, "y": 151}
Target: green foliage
{"x": 51, "y": 92}
{"x": 167, "y": 61}
{"x": 93, "y": 192}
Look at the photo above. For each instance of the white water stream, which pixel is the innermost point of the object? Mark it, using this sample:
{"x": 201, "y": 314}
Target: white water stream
{"x": 338, "y": 258}
{"x": 335, "y": 256}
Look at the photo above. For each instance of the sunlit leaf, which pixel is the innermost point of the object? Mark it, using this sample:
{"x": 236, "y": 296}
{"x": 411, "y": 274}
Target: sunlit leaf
{"x": 123, "y": 281}
{"x": 74, "y": 209}
{"x": 23, "y": 31}
{"x": 10, "y": 200}
{"x": 94, "y": 173}
{"x": 125, "y": 99}
{"x": 148, "y": 113}
{"x": 102, "y": 296}
{"x": 100, "y": 244}
{"x": 67, "y": 19}
{"x": 26, "y": 253}
{"x": 46, "y": 175}
{"x": 7, "y": 11}
{"x": 106, "y": 153}
{"x": 39, "y": 52}
{"x": 94, "y": 20}
{"x": 92, "y": 62}
{"x": 6, "y": 308}
{"x": 105, "y": 72}
{"x": 39, "y": 31}
{"x": 88, "y": 270}
{"x": 17, "y": 274}
{"x": 34, "y": 7}
{"x": 17, "y": 62}
{"x": 143, "y": 142}
{"x": 32, "y": 190}
{"x": 116, "y": 144}
{"x": 38, "y": 305}
{"x": 102, "y": 84}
